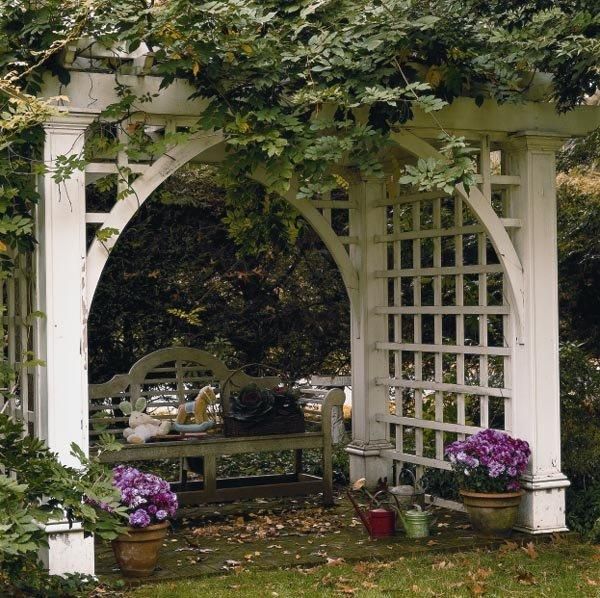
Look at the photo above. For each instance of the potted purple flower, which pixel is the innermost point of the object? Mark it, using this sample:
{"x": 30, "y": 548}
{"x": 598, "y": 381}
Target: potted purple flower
{"x": 488, "y": 466}
{"x": 149, "y": 503}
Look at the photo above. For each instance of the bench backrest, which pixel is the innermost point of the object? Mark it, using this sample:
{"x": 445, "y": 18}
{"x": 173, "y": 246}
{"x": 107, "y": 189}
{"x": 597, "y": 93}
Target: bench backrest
{"x": 165, "y": 378}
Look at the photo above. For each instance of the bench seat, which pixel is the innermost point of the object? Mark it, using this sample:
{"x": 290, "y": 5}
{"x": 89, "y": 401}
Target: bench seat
{"x": 212, "y": 489}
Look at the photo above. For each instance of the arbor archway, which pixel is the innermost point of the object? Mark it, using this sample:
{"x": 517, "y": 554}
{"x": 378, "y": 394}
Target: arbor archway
{"x": 206, "y": 147}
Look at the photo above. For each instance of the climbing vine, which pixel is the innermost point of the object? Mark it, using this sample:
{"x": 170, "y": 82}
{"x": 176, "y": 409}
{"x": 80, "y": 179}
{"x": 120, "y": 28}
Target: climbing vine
{"x": 298, "y": 86}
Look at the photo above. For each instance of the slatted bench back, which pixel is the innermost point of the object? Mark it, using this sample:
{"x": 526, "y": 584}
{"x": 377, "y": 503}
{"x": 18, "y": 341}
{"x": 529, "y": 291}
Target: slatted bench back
{"x": 165, "y": 378}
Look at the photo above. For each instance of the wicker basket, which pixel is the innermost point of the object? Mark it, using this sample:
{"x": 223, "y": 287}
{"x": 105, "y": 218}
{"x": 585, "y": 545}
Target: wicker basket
{"x": 273, "y": 424}
{"x": 277, "y": 421}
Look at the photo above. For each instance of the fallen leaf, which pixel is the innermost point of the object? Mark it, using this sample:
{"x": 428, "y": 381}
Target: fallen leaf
{"x": 525, "y": 578}
{"x": 591, "y": 582}
{"x": 508, "y": 546}
{"x": 332, "y": 562}
{"x": 530, "y": 550}
{"x": 432, "y": 542}
{"x": 478, "y": 588}
{"x": 360, "y": 483}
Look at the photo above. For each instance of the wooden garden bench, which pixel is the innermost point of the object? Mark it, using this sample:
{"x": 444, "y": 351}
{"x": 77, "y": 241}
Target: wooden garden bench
{"x": 169, "y": 377}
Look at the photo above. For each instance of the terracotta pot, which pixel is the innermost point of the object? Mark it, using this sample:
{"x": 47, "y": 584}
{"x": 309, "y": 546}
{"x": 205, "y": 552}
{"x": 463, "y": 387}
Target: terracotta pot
{"x": 137, "y": 551}
{"x": 492, "y": 513}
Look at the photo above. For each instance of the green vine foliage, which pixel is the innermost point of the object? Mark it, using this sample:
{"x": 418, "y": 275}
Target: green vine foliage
{"x": 295, "y": 85}
{"x": 35, "y": 488}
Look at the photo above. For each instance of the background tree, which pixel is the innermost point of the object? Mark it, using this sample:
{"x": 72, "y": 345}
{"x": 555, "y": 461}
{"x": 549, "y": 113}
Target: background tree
{"x": 232, "y": 271}
{"x": 579, "y": 281}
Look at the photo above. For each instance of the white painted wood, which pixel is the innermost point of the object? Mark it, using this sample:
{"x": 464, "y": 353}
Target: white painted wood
{"x": 440, "y": 271}
{"x": 418, "y": 460}
{"x": 333, "y": 204}
{"x": 96, "y": 217}
{"x": 444, "y": 309}
{"x": 445, "y": 387}
{"x": 428, "y": 424}
{"x": 141, "y": 188}
{"x": 430, "y": 233}
{"x": 204, "y": 147}
{"x": 68, "y": 551}
{"x": 535, "y": 374}
{"x": 489, "y": 219}
{"x": 62, "y": 337}
{"x": 368, "y": 398}
{"x": 340, "y": 255}
{"x": 452, "y": 349}
{"x": 95, "y": 91}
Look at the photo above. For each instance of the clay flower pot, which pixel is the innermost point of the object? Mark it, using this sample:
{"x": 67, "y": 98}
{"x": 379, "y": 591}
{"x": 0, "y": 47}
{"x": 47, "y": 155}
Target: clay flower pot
{"x": 492, "y": 513}
{"x": 137, "y": 551}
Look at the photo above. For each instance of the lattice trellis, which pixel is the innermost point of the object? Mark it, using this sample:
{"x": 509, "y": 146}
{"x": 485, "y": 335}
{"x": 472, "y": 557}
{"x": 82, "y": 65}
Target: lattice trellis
{"x": 17, "y": 396}
{"x": 449, "y": 320}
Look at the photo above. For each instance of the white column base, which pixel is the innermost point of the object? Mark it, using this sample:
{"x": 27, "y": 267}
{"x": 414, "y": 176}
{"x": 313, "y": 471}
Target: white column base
{"x": 366, "y": 462}
{"x": 68, "y": 550}
{"x": 543, "y": 506}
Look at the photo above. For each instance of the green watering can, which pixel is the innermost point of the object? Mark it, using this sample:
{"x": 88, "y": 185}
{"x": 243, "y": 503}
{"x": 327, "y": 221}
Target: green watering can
{"x": 416, "y": 522}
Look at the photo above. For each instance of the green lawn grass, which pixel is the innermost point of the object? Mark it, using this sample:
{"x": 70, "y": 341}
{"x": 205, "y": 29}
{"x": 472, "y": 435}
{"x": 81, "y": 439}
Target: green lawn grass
{"x": 565, "y": 567}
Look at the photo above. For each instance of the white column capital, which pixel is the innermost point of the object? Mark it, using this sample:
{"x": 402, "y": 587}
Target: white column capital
{"x": 537, "y": 141}
{"x": 70, "y": 120}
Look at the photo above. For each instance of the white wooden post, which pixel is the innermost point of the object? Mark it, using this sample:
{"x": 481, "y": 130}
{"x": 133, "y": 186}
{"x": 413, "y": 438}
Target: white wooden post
{"x": 61, "y": 336}
{"x": 369, "y": 436}
{"x": 536, "y": 397}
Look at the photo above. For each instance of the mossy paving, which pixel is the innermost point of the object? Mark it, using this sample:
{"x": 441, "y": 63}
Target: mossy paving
{"x": 259, "y": 535}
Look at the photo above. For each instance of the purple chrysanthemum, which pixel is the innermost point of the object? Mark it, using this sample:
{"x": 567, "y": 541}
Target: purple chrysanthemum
{"x": 139, "y": 518}
{"x": 489, "y": 461}
{"x": 148, "y": 497}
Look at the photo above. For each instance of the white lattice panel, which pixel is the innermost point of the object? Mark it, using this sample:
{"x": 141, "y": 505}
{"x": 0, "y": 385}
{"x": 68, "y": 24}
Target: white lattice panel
{"x": 448, "y": 319}
{"x": 17, "y": 397}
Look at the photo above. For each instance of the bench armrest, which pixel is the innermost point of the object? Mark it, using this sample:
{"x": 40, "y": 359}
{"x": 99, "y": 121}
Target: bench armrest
{"x": 334, "y": 398}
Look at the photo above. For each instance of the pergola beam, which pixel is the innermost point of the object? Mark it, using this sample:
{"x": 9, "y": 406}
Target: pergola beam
{"x": 96, "y": 91}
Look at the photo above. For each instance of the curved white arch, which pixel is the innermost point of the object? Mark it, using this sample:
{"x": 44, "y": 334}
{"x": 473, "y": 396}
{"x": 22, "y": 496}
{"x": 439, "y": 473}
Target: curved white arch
{"x": 205, "y": 145}
{"x": 489, "y": 219}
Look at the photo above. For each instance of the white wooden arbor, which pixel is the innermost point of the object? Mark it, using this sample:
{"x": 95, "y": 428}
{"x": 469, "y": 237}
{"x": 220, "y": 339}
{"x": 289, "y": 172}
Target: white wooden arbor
{"x": 453, "y": 298}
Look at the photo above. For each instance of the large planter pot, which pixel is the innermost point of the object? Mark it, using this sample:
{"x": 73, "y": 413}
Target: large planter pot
{"x": 492, "y": 513}
{"x": 137, "y": 551}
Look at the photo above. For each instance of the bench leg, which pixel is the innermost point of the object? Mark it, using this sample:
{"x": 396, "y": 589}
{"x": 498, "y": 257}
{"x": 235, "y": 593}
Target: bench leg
{"x": 298, "y": 462}
{"x": 210, "y": 476}
{"x": 183, "y": 475}
{"x": 327, "y": 476}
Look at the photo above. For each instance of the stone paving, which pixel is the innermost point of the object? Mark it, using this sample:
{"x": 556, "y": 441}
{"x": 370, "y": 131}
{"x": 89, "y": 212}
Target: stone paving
{"x": 268, "y": 534}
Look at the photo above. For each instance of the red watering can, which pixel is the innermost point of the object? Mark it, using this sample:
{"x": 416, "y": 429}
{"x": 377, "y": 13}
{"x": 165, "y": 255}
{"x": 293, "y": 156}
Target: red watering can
{"x": 379, "y": 521}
